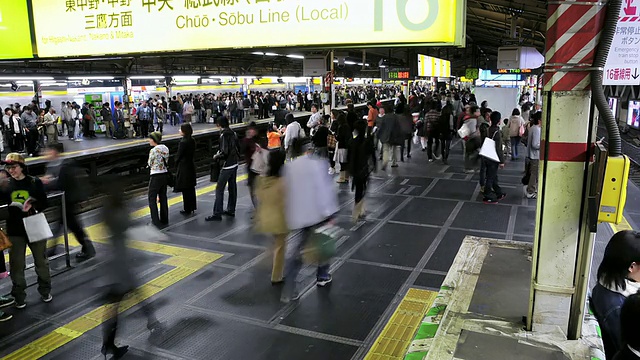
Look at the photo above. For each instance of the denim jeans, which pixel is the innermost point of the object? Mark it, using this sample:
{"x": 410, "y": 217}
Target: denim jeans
{"x": 515, "y": 142}
{"x": 294, "y": 263}
{"x": 227, "y": 176}
{"x": 492, "y": 189}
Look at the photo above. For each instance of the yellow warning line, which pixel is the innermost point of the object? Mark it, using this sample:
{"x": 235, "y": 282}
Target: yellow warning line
{"x": 624, "y": 225}
{"x": 395, "y": 338}
{"x": 185, "y": 262}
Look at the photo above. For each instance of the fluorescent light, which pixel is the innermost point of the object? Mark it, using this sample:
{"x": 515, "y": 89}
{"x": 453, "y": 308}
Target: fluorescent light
{"x": 90, "y": 78}
{"x": 26, "y": 78}
{"x": 335, "y": 61}
{"x": 146, "y": 77}
{"x": 24, "y": 82}
{"x": 349, "y": 62}
{"x": 186, "y": 77}
{"x": 258, "y": 53}
{"x": 383, "y": 66}
{"x": 295, "y": 56}
{"x": 271, "y": 54}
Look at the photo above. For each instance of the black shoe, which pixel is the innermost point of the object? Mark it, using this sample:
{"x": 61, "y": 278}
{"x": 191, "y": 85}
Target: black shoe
{"x": 185, "y": 212}
{"x": 117, "y": 352}
{"x": 85, "y": 255}
{"x": 229, "y": 213}
{"x": 501, "y": 197}
{"x": 5, "y": 317}
{"x": 444, "y": 161}
{"x": 6, "y": 302}
{"x": 490, "y": 201}
{"x": 409, "y": 156}
{"x": 213, "y": 218}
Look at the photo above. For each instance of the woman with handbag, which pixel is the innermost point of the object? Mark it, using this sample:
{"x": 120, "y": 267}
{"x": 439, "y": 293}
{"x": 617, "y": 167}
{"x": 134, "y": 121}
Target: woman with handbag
{"x": 25, "y": 196}
{"x": 186, "y": 173}
{"x": 159, "y": 180}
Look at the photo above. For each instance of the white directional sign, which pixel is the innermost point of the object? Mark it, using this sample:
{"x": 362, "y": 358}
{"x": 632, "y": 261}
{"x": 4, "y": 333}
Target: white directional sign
{"x": 623, "y": 62}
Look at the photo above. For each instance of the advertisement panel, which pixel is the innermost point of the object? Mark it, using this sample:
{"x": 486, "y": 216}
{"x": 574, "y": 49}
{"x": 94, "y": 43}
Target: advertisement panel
{"x": 434, "y": 67}
{"x": 633, "y": 114}
{"x": 101, "y": 27}
{"x": 15, "y": 33}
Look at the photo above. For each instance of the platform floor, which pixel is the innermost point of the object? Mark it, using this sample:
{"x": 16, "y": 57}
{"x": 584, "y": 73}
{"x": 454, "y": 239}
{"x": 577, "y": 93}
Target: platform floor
{"x": 210, "y": 282}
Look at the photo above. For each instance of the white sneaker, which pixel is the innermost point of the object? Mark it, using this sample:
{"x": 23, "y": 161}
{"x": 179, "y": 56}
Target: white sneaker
{"x": 332, "y": 171}
{"x": 532, "y": 196}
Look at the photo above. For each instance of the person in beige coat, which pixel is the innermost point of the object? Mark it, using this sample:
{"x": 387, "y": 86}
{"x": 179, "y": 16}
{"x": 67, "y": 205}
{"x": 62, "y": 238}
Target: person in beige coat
{"x": 270, "y": 212}
{"x": 51, "y": 126}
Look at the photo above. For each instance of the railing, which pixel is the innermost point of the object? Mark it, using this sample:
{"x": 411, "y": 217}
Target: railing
{"x": 66, "y": 253}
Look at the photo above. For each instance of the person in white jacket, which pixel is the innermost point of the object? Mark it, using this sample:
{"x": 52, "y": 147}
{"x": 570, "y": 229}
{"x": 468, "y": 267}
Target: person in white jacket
{"x": 293, "y": 131}
{"x": 311, "y": 201}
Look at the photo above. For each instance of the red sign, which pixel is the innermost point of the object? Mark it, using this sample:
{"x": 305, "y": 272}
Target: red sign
{"x": 629, "y": 9}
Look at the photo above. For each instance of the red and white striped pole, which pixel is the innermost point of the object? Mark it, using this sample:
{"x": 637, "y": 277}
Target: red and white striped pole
{"x": 573, "y": 32}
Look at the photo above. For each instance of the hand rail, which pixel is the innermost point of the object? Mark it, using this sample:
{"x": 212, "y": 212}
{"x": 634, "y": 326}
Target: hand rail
{"x": 66, "y": 253}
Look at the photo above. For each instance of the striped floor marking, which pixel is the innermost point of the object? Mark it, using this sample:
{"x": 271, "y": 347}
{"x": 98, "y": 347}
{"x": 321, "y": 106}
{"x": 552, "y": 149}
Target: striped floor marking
{"x": 185, "y": 262}
{"x": 395, "y": 338}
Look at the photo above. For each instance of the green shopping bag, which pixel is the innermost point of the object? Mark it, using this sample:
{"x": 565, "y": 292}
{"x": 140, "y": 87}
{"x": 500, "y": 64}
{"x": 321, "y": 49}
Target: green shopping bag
{"x": 321, "y": 247}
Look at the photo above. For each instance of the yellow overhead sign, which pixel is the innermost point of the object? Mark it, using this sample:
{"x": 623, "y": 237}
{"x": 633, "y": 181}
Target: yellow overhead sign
{"x": 66, "y": 28}
{"x": 15, "y": 33}
{"x": 433, "y": 67}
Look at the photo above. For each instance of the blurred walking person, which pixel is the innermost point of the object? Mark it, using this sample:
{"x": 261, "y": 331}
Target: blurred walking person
{"x": 65, "y": 175}
{"x": 310, "y": 202}
{"x": 362, "y": 161}
{"x": 120, "y": 277}
{"x": 270, "y": 213}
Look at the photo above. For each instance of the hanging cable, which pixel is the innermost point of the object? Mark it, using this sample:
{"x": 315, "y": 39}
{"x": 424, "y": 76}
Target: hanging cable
{"x": 606, "y": 39}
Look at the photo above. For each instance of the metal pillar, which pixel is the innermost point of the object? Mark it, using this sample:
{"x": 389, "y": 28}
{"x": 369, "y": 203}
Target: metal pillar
{"x": 562, "y": 234}
{"x": 37, "y": 93}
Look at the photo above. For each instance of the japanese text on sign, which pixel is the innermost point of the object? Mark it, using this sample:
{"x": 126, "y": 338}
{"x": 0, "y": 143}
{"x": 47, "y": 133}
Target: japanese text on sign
{"x": 99, "y": 27}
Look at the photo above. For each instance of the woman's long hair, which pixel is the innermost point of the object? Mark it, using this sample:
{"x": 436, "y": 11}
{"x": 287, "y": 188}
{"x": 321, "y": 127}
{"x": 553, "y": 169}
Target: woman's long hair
{"x": 622, "y": 250}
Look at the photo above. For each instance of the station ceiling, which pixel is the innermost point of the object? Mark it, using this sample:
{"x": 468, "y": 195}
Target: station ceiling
{"x": 490, "y": 25}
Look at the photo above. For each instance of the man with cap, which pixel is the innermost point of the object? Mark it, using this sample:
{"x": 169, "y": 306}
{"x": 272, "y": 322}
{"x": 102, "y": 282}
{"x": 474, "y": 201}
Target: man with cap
{"x": 25, "y": 196}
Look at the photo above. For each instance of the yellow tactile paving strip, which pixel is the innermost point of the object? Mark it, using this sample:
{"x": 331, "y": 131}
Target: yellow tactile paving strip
{"x": 185, "y": 263}
{"x": 624, "y": 225}
{"x": 395, "y": 338}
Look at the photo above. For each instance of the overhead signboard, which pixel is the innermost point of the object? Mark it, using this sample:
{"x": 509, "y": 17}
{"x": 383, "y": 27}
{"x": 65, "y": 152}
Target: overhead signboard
{"x": 472, "y": 74}
{"x": 15, "y": 33}
{"x": 101, "y": 27}
{"x": 623, "y": 62}
{"x": 514, "y": 71}
{"x": 433, "y": 67}
{"x": 396, "y": 74}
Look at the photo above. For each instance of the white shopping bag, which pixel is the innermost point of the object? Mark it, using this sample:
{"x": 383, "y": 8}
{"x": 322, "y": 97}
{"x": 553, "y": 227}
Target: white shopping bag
{"x": 37, "y": 228}
{"x": 465, "y": 131}
{"x": 488, "y": 149}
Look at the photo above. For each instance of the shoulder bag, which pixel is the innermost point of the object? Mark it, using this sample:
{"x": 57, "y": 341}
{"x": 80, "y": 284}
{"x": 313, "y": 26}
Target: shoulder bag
{"x": 5, "y": 243}
{"x": 171, "y": 178}
{"x": 488, "y": 150}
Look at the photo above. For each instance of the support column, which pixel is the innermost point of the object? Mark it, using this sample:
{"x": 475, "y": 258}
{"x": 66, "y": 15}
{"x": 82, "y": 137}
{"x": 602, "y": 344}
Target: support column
{"x": 562, "y": 230}
{"x": 37, "y": 93}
